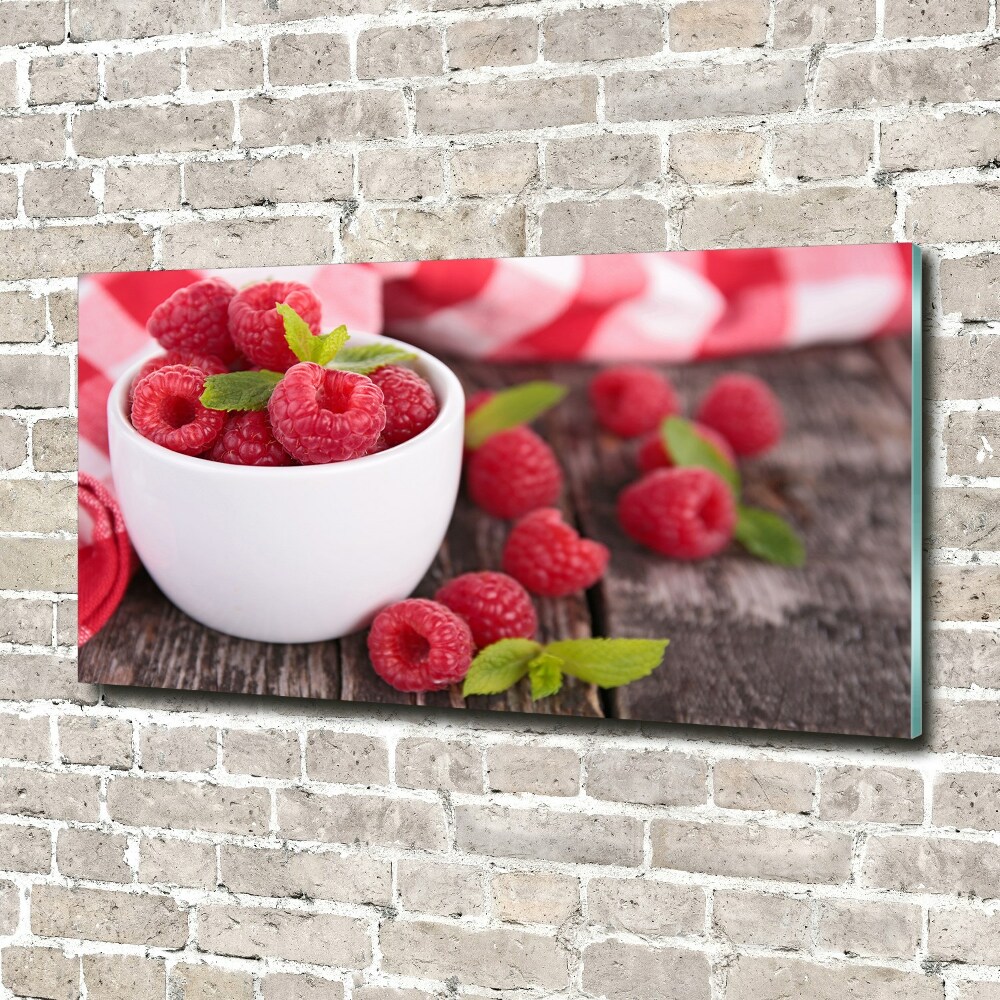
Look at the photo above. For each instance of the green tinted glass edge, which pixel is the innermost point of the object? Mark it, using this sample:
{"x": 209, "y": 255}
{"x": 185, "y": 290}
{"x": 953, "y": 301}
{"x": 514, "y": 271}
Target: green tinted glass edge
{"x": 916, "y": 508}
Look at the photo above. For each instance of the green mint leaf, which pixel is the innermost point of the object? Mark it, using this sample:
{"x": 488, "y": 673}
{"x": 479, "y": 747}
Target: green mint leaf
{"x": 510, "y": 408}
{"x": 687, "y": 447}
{"x": 329, "y": 345}
{"x": 545, "y": 674}
{"x": 769, "y": 537}
{"x": 297, "y": 333}
{"x": 239, "y": 390}
{"x": 366, "y": 358}
{"x": 608, "y": 662}
{"x": 500, "y": 666}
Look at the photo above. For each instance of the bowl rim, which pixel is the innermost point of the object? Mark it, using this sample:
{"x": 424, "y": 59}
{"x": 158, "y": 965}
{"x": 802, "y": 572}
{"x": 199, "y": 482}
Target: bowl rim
{"x": 451, "y": 405}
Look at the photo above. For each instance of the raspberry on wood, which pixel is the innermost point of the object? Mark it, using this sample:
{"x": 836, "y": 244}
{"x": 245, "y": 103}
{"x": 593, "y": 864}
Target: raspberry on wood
{"x": 195, "y": 320}
{"x": 323, "y": 415}
{"x": 653, "y": 455}
{"x": 684, "y": 513}
{"x": 548, "y": 557}
{"x": 629, "y": 400}
{"x": 410, "y": 403}
{"x": 495, "y": 605}
{"x": 247, "y": 439}
{"x": 167, "y": 409}
{"x": 744, "y": 410}
{"x": 420, "y": 645}
{"x": 513, "y": 472}
{"x": 257, "y": 327}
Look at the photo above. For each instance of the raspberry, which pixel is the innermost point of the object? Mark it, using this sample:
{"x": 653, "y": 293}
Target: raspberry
{"x": 209, "y": 365}
{"x": 683, "y": 513}
{"x": 195, "y": 319}
{"x": 247, "y": 439}
{"x": 410, "y": 404}
{"x": 513, "y": 472}
{"x": 257, "y": 327}
{"x": 550, "y": 558}
{"x": 652, "y": 454}
{"x": 744, "y": 410}
{"x": 167, "y": 409}
{"x": 495, "y": 605}
{"x": 629, "y": 400}
{"x": 323, "y": 415}
{"x": 419, "y": 645}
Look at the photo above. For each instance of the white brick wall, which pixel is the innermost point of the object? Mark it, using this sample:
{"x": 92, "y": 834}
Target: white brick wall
{"x": 169, "y": 846}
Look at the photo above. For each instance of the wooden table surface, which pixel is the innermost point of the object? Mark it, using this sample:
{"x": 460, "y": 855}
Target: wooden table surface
{"x": 824, "y": 648}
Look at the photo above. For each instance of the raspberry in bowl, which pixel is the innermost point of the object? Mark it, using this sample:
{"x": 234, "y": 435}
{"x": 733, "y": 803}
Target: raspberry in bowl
{"x": 289, "y": 552}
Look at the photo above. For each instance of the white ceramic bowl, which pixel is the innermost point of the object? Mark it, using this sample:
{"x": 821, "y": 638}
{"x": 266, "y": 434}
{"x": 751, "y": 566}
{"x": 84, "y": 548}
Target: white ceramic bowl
{"x": 297, "y": 554}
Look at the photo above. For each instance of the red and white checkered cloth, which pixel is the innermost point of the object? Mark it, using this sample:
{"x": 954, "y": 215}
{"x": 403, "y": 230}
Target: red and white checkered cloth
{"x": 671, "y": 307}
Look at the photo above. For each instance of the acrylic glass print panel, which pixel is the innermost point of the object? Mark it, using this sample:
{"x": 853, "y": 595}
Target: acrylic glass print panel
{"x": 720, "y": 449}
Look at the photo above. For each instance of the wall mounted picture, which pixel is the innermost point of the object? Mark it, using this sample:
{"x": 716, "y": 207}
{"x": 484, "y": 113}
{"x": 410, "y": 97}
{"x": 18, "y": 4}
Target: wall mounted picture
{"x": 669, "y": 487}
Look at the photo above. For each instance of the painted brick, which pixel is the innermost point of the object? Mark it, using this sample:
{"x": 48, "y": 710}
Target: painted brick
{"x": 31, "y": 21}
{"x": 717, "y": 24}
{"x": 935, "y": 142}
{"x": 602, "y": 161}
{"x": 540, "y": 771}
{"x": 142, "y": 187}
{"x": 48, "y": 795}
{"x": 963, "y": 934}
{"x": 62, "y": 316}
{"x": 517, "y": 959}
{"x": 449, "y": 765}
{"x": 963, "y": 659}
{"x": 90, "y": 19}
{"x": 253, "y": 932}
{"x": 623, "y": 225}
{"x": 919, "y": 19}
{"x": 25, "y": 620}
{"x": 25, "y": 849}
{"x": 508, "y": 41}
{"x": 296, "y": 986}
{"x": 25, "y": 737}
{"x": 93, "y": 854}
{"x": 871, "y": 795}
{"x": 167, "y": 861}
{"x": 957, "y": 213}
{"x": 355, "y": 114}
{"x": 958, "y": 366}
{"x": 535, "y": 897}
{"x": 347, "y": 758}
{"x": 967, "y": 800}
{"x": 401, "y": 174}
{"x": 900, "y": 76}
{"x": 266, "y": 753}
{"x": 486, "y": 170}
{"x": 178, "y": 748}
{"x": 288, "y": 11}
{"x": 716, "y": 157}
{"x": 13, "y": 442}
{"x": 594, "y": 34}
{"x": 44, "y": 973}
{"x": 32, "y": 138}
{"x": 63, "y": 79}
{"x": 174, "y": 128}
{"x": 765, "y": 978}
{"x": 752, "y": 88}
{"x": 626, "y": 971}
{"x": 23, "y": 319}
{"x": 813, "y": 215}
{"x": 939, "y": 865}
{"x": 142, "y": 74}
{"x": 651, "y": 778}
{"x": 60, "y": 193}
{"x": 27, "y": 676}
{"x": 115, "y": 917}
{"x": 971, "y": 286}
{"x": 646, "y": 906}
{"x": 822, "y": 152}
{"x": 68, "y": 250}
{"x": 752, "y": 851}
{"x": 808, "y": 22}
{"x": 181, "y": 805}
{"x": 348, "y": 877}
{"x": 414, "y": 50}
{"x": 206, "y": 982}
{"x": 234, "y": 66}
{"x": 503, "y": 831}
{"x": 961, "y": 518}
{"x": 54, "y": 445}
{"x": 96, "y": 739}
{"x": 293, "y": 178}
{"x": 364, "y": 819}
{"x": 506, "y": 104}
{"x": 440, "y": 889}
{"x": 783, "y": 786}
{"x": 762, "y": 919}
{"x": 319, "y": 57}
{"x": 963, "y": 594}
{"x": 869, "y": 929}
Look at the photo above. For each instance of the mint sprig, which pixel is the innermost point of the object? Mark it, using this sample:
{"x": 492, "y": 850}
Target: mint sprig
{"x": 320, "y": 349}
{"x": 366, "y": 358}
{"x": 605, "y": 662}
{"x": 511, "y": 408}
{"x": 761, "y": 532}
{"x": 239, "y": 390}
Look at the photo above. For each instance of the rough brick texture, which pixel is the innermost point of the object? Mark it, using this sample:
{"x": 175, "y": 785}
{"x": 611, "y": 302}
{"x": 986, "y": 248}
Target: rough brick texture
{"x": 196, "y": 848}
